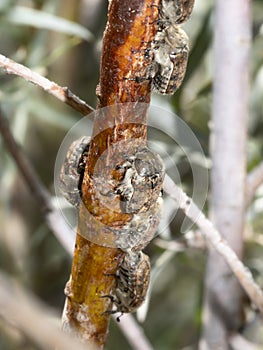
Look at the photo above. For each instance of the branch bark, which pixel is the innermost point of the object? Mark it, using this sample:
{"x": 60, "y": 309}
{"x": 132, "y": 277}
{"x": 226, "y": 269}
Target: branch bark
{"x": 223, "y": 299}
{"x": 129, "y": 31}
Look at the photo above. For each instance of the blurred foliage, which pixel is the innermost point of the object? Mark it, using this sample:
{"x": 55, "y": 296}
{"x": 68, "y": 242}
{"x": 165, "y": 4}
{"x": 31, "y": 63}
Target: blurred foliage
{"x": 62, "y": 40}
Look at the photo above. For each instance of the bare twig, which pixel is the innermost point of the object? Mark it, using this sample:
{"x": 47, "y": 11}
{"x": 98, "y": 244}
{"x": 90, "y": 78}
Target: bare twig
{"x": 52, "y": 216}
{"x": 61, "y": 93}
{"x": 20, "y": 308}
{"x": 241, "y": 272}
{"x": 254, "y": 180}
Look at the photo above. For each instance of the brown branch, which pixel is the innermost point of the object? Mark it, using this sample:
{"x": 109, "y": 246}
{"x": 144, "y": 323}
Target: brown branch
{"x": 254, "y": 180}
{"x": 241, "y": 272}
{"x": 129, "y": 31}
{"x": 61, "y": 93}
{"x": 41, "y": 194}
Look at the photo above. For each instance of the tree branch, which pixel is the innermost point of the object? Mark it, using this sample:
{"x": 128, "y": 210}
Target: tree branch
{"x": 61, "y": 93}
{"x": 43, "y": 198}
{"x": 129, "y": 31}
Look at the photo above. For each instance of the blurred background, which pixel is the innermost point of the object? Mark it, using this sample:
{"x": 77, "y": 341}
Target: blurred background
{"x": 62, "y": 41}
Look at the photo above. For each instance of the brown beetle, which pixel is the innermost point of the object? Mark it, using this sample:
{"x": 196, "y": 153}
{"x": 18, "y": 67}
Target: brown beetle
{"x": 170, "y": 50}
{"x": 71, "y": 174}
{"x": 132, "y": 282}
{"x": 142, "y": 181}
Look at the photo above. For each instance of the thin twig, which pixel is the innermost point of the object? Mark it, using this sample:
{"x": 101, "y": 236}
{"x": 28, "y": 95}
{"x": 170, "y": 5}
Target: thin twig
{"x": 254, "y": 180}
{"x": 241, "y": 272}
{"x": 43, "y": 198}
{"x": 61, "y": 93}
{"x": 27, "y": 314}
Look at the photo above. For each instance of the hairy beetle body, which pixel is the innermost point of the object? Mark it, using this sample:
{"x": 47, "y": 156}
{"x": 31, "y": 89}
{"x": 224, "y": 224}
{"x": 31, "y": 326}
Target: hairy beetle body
{"x": 132, "y": 282}
{"x": 170, "y": 48}
{"x": 142, "y": 181}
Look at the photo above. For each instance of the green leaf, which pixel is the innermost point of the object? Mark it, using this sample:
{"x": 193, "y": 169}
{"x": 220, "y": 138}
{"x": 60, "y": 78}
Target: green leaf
{"x": 39, "y": 19}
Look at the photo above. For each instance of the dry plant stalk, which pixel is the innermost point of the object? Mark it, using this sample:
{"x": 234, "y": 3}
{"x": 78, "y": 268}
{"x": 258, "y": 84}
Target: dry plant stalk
{"x": 129, "y": 31}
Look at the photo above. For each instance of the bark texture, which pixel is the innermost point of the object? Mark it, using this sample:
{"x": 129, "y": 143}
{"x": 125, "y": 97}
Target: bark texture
{"x": 129, "y": 31}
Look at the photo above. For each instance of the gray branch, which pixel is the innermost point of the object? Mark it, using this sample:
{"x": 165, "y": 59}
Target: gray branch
{"x": 61, "y": 93}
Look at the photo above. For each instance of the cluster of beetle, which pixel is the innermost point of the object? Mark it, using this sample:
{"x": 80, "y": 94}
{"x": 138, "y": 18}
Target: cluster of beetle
{"x": 141, "y": 185}
{"x": 140, "y": 189}
{"x": 140, "y": 194}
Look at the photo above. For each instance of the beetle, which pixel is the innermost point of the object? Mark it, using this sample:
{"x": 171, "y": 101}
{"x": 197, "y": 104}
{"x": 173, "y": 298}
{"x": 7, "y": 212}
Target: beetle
{"x": 140, "y": 191}
{"x": 72, "y": 171}
{"x": 132, "y": 282}
{"x": 170, "y": 49}
{"x": 142, "y": 181}
{"x": 138, "y": 232}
